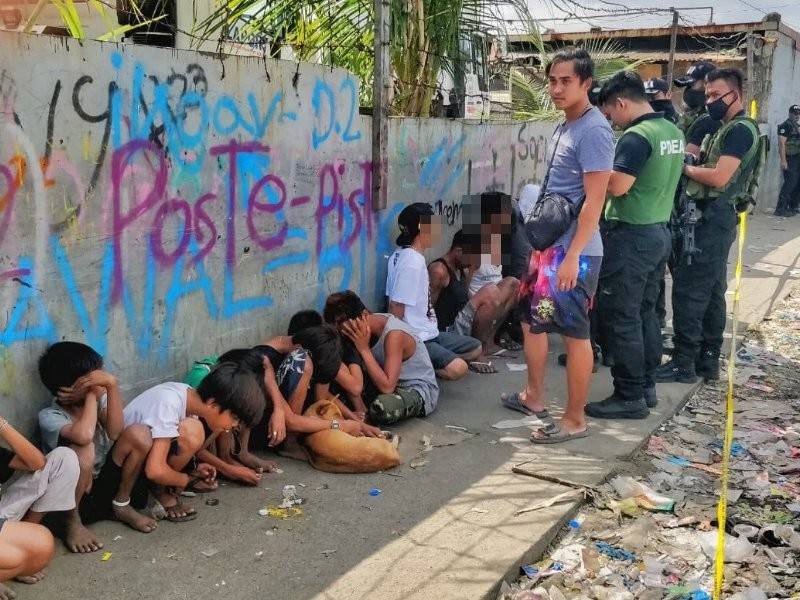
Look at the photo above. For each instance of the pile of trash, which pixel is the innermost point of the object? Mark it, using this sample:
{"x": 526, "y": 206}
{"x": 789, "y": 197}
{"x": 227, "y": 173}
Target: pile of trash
{"x": 651, "y": 532}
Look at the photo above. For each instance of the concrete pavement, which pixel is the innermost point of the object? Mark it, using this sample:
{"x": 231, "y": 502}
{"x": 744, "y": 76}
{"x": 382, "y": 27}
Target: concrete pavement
{"x": 444, "y": 530}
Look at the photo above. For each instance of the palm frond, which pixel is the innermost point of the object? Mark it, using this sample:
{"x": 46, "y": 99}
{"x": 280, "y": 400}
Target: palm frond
{"x": 425, "y": 36}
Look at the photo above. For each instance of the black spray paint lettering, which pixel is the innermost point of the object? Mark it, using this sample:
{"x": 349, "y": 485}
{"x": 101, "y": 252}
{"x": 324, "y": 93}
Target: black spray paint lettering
{"x": 451, "y": 211}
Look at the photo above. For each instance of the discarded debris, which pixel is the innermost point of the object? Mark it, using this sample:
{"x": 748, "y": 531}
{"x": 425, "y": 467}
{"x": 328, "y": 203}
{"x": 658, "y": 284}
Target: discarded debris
{"x": 651, "y": 534}
{"x": 106, "y": 556}
{"x": 571, "y": 495}
{"x": 209, "y": 552}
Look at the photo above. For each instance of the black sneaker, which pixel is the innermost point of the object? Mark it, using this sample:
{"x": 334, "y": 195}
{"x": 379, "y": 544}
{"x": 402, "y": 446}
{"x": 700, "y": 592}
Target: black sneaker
{"x": 650, "y": 397}
{"x": 707, "y": 366}
{"x": 671, "y": 372}
{"x": 562, "y": 362}
{"x": 617, "y": 408}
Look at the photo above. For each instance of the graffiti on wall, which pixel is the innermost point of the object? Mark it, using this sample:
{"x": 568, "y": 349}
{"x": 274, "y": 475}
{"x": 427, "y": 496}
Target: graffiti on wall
{"x": 173, "y": 176}
{"x": 158, "y": 209}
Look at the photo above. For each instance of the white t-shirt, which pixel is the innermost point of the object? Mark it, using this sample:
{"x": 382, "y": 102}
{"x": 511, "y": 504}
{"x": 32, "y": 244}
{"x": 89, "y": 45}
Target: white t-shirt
{"x": 161, "y": 408}
{"x": 484, "y": 275}
{"x": 408, "y": 284}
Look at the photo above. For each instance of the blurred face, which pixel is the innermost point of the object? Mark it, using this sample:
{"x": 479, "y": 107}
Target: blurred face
{"x": 795, "y": 116}
{"x": 221, "y": 420}
{"x": 430, "y": 232}
{"x": 659, "y": 96}
{"x": 565, "y": 87}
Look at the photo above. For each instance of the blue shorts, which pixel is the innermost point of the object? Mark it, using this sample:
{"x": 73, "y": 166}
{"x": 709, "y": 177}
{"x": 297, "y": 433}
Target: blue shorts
{"x": 546, "y": 309}
{"x": 448, "y": 346}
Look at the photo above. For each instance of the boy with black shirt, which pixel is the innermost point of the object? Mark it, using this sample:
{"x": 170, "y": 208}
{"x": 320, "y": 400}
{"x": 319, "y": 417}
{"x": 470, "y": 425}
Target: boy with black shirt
{"x": 647, "y": 167}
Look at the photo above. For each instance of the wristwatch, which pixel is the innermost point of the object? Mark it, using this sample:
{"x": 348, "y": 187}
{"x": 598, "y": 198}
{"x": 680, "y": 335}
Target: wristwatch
{"x": 335, "y": 425}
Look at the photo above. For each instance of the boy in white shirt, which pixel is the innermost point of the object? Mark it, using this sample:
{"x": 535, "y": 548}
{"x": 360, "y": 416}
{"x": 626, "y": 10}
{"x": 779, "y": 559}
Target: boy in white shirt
{"x": 178, "y": 415}
{"x": 408, "y": 293}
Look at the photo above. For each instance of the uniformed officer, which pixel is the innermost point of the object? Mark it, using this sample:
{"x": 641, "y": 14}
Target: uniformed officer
{"x": 789, "y": 146}
{"x": 636, "y": 243}
{"x": 660, "y": 98}
{"x": 720, "y": 181}
{"x": 695, "y": 121}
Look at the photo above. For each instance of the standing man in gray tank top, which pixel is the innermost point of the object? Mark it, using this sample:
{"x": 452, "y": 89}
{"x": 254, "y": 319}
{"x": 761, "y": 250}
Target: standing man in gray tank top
{"x": 403, "y": 382}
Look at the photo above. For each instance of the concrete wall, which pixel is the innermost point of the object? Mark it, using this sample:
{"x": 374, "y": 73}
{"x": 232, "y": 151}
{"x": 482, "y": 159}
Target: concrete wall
{"x": 163, "y": 205}
{"x": 783, "y": 91}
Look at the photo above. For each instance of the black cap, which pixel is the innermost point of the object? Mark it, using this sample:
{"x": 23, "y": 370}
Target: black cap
{"x": 697, "y": 72}
{"x": 794, "y": 108}
{"x": 409, "y": 219}
{"x": 654, "y": 86}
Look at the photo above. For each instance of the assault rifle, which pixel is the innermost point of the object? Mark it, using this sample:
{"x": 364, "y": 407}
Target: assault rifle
{"x": 685, "y": 218}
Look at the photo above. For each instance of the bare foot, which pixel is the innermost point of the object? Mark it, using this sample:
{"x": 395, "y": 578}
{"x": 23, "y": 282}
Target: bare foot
{"x": 7, "y": 593}
{"x": 79, "y": 539}
{"x": 30, "y": 579}
{"x": 134, "y": 519}
{"x": 259, "y": 465}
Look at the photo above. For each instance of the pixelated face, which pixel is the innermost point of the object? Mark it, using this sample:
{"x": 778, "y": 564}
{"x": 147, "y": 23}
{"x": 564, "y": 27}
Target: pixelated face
{"x": 430, "y": 231}
{"x": 565, "y": 87}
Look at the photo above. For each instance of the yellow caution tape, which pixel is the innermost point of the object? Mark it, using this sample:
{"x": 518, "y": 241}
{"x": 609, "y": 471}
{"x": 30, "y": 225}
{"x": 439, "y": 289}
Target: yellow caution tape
{"x": 727, "y": 442}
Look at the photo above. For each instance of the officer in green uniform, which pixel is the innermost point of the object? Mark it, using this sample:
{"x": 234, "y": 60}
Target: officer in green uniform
{"x": 720, "y": 182}
{"x": 789, "y": 146}
{"x": 636, "y": 243}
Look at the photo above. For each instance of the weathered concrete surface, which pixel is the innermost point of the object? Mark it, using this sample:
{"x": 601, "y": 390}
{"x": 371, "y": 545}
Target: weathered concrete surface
{"x": 423, "y": 537}
{"x": 163, "y": 205}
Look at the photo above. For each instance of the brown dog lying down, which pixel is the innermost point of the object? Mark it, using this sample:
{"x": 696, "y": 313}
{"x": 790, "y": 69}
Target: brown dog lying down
{"x": 339, "y": 452}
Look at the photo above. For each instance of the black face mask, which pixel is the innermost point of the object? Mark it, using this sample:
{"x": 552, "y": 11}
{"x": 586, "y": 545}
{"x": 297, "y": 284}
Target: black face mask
{"x": 694, "y": 99}
{"x": 661, "y": 105}
{"x": 718, "y": 108}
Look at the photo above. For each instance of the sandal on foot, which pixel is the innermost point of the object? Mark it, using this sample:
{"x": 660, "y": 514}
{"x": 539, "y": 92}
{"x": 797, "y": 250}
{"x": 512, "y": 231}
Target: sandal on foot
{"x": 510, "y": 345}
{"x": 513, "y": 402}
{"x": 553, "y": 434}
{"x": 485, "y": 368}
{"x": 190, "y": 514}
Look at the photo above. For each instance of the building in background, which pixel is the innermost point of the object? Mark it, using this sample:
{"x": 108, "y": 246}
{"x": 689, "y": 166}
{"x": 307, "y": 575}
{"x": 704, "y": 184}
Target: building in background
{"x": 767, "y": 52}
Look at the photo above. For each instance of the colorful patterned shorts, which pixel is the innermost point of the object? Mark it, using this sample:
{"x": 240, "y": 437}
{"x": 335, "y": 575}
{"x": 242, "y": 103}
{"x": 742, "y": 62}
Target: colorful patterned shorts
{"x": 546, "y": 309}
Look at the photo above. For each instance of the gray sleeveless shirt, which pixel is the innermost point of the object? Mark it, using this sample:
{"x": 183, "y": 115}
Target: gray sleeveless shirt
{"x": 416, "y": 372}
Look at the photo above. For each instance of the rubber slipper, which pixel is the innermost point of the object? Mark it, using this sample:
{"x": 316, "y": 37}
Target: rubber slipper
{"x": 513, "y": 402}
{"x": 191, "y": 513}
{"x": 555, "y": 435}
{"x": 485, "y": 368}
{"x": 510, "y": 345}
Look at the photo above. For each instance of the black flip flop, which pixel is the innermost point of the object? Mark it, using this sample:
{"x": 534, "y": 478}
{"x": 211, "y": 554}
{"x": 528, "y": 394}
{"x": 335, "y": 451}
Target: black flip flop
{"x": 513, "y": 402}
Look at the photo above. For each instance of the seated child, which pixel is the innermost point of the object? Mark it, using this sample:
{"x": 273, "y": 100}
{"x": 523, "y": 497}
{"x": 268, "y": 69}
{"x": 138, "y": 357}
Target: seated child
{"x": 397, "y": 364}
{"x": 32, "y": 485}
{"x": 86, "y": 415}
{"x": 177, "y": 416}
